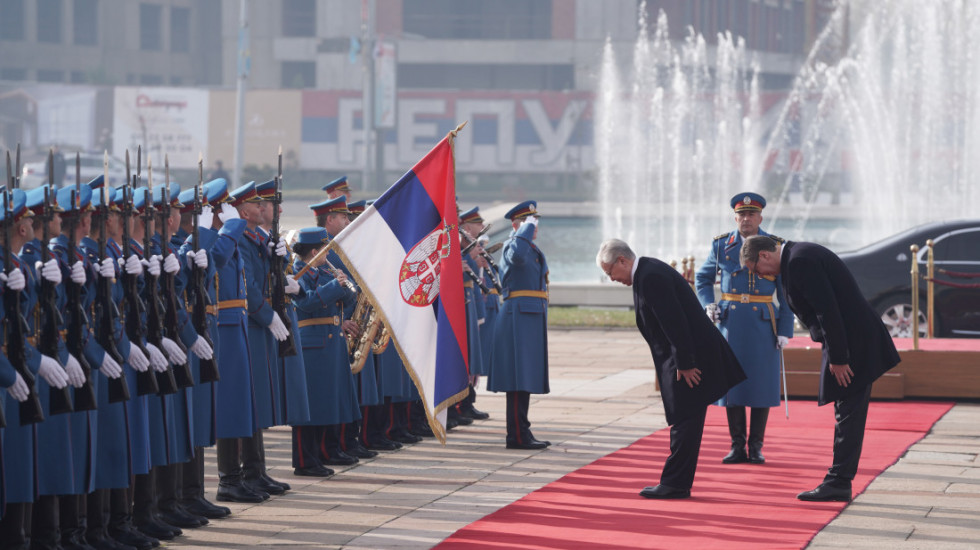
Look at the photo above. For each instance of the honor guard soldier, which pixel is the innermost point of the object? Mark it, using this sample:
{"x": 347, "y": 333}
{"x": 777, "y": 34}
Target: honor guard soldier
{"x": 755, "y": 327}
{"x": 292, "y": 404}
{"x": 330, "y": 385}
{"x": 338, "y": 188}
{"x": 520, "y": 355}
{"x": 265, "y": 330}
{"x": 472, "y": 223}
{"x": 220, "y": 231}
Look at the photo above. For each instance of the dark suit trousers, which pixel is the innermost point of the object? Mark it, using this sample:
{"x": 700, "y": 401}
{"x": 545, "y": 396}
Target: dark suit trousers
{"x": 851, "y": 414}
{"x": 685, "y": 445}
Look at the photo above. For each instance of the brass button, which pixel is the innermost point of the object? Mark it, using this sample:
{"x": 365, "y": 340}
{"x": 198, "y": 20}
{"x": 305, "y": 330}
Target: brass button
{"x": 733, "y": 306}
{"x": 330, "y": 336}
{"x": 727, "y": 257}
{"x": 754, "y": 308}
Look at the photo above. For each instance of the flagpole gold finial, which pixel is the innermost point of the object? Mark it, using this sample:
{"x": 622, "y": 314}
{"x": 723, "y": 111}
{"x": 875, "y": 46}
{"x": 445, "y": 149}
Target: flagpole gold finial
{"x": 458, "y": 128}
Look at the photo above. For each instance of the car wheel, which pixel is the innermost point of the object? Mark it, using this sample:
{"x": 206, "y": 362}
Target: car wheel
{"x": 896, "y": 314}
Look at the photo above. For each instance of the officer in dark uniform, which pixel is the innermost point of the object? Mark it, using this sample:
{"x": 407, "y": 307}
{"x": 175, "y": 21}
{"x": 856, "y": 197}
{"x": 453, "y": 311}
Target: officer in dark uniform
{"x": 756, "y": 328}
{"x": 520, "y": 355}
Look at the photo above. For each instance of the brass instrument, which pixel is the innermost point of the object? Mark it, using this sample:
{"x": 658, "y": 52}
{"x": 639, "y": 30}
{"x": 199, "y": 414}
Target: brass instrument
{"x": 369, "y": 324}
{"x": 382, "y": 340}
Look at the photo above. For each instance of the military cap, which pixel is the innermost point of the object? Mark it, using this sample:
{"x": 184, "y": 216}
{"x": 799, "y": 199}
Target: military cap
{"x": 330, "y": 206}
{"x": 243, "y": 194}
{"x": 748, "y": 201}
{"x": 35, "y": 200}
{"x": 471, "y": 216}
{"x": 312, "y": 235}
{"x": 97, "y": 182}
{"x": 174, "y": 196}
{"x": 522, "y": 210}
{"x": 110, "y": 195}
{"x": 83, "y": 198}
{"x": 18, "y": 205}
{"x": 357, "y": 207}
{"x": 186, "y": 200}
{"x": 339, "y": 184}
{"x": 266, "y": 191}
{"x": 215, "y": 192}
{"x": 140, "y": 202}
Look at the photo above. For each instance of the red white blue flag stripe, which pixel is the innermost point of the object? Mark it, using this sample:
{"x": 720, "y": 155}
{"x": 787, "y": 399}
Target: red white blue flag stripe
{"x": 404, "y": 252}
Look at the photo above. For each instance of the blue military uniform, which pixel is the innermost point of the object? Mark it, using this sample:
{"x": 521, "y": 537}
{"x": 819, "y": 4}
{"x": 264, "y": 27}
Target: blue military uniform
{"x": 750, "y": 319}
{"x": 520, "y": 355}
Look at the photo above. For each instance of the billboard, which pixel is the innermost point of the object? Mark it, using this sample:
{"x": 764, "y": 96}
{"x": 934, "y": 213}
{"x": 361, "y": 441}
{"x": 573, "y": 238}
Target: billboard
{"x": 171, "y": 121}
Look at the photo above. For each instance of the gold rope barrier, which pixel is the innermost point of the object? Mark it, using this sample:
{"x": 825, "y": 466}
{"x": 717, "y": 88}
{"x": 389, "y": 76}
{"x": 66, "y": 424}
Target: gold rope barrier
{"x": 915, "y": 296}
{"x": 930, "y": 293}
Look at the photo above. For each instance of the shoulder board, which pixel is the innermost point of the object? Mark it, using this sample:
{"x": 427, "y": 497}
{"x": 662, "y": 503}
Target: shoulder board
{"x": 777, "y": 239}
{"x": 722, "y": 236}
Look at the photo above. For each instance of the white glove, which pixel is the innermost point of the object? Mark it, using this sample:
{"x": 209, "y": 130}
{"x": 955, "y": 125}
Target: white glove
{"x": 137, "y": 360}
{"x": 52, "y": 371}
{"x": 202, "y": 349}
{"x": 107, "y": 269}
{"x": 110, "y": 368}
{"x": 14, "y": 280}
{"x": 533, "y": 220}
{"x": 277, "y": 328}
{"x": 75, "y": 375}
{"x": 206, "y": 217}
{"x": 292, "y": 287}
{"x": 49, "y": 271}
{"x": 132, "y": 265}
{"x": 157, "y": 359}
{"x": 278, "y": 248}
{"x": 170, "y": 264}
{"x": 228, "y": 212}
{"x": 782, "y": 342}
{"x": 152, "y": 265}
{"x": 19, "y": 389}
{"x": 713, "y": 312}
{"x": 78, "y": 273}
{"x": 174, "y": 353}
{"x": 198, "y": 258}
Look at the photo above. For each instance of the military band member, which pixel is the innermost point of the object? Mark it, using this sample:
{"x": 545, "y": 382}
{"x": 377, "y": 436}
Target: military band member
{"x": 331, "y": 386}
{"x": 755, "y": 328}
{"x": 520, "y": 355}
{"x": 265, "y": 330}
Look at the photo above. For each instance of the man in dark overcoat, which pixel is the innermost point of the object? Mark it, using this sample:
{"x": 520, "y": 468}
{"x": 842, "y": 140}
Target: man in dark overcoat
{"x": 695, "y": 365}
{"x": 856, "y": 346}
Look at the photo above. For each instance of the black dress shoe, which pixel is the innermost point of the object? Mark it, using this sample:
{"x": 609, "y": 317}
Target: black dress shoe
{"x": 239, "y": 493}
{"x": 472, "y": 412}
{"x": 313, "y": 471}
{"x": 199, "y": 506}
{"x": 108, "y": 543}
{"x": 421, "y": 431}
{"x": 383, "y": 444}
{"x": 736, "y": 456}
{"x": 360, "y": 451}
{"x": 129, "y": 536}
{"x": 545, "y": 442}
{"x": 260, "y": 485}
{"x": 336, "y": 457}
{"x": 402, "y": 436}
{"x": 664, "y": 492}
{"x": 755, "y": 456}
{"x": 179, "y": 517}
{"x": 826, "y": 493}
{"x": 533, "y": 444}
{"x": 157, "y": 530}
{"x": 463, "y": 420}
{"x": 285, "y": 486}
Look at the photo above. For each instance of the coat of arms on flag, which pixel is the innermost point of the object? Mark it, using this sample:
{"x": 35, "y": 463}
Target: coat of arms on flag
{"x": 404, "y": 253}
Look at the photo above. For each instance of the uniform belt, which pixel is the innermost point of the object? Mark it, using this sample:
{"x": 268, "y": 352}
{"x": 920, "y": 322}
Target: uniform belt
{"x": 228, "y": 304}
{"x": 210, "y": 310}
{"x": 746, "y": 298}
{"x": 468, "y": 284}
{"x": 527, "y": 293}
{"x": 335, "y": 320}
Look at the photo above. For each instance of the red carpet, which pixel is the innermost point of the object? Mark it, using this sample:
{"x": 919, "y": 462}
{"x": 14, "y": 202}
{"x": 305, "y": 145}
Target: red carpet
{"x": 598, "y": 506}
{"x": 906, "y": 344}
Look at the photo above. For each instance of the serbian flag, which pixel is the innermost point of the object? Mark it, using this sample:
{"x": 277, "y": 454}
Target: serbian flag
{"x": 403, "y": 250}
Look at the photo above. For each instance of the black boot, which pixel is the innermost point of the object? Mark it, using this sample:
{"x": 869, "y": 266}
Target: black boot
{"x": 45, "y": 530}
{"x": 736, "y": 427}
{"x": 120, "y": 527}
{"x": 72, "y": 522}
{"x": 757, "y": 432}
{"x": 192, "y": 490}
{"x": 12, "y": 532}
{"x": 253, "y": 468}
{"x": 230, "y": 487}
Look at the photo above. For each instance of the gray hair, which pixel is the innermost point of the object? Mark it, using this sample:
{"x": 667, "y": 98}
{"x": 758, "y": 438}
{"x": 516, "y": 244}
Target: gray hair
{"x": 753, "y": 245}
{"x": 612, "y": 249}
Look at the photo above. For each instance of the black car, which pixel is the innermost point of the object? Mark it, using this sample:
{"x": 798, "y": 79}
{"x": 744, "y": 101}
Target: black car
{"x": 882, "y": 270}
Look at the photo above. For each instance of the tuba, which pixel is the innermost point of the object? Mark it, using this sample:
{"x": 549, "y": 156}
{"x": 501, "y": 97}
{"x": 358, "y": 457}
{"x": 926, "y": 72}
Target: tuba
{"x": 369, "y": 324}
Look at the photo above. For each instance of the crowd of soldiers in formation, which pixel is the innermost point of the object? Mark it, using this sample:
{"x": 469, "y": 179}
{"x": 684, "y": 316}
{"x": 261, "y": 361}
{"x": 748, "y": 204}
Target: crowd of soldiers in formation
{"x": 142, "y": 324}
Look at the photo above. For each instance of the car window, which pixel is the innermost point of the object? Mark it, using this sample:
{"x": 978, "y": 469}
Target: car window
{"x": 961, "y": 247}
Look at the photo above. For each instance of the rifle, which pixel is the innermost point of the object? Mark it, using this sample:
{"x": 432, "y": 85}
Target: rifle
{"x": 146, "y": 382}
{"x": 50, "y": 316}
{"x": 104, "y": 307}
{"x": 85, "y": 399}
{"x": 197, "y": 289}
{"x": 14, "y": 324}
{"x": 492, "y": 266}
{"x": 277, "y": 274}
{"x": 182, "y": 373}
{"x": 166, "y": 381}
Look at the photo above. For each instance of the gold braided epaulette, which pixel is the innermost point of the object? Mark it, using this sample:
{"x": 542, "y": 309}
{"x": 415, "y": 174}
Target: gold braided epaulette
{"x": 722, "y": 236}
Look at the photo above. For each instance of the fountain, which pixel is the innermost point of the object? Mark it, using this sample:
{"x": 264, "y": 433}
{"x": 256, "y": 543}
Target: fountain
{"x": 874, "y": 137}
